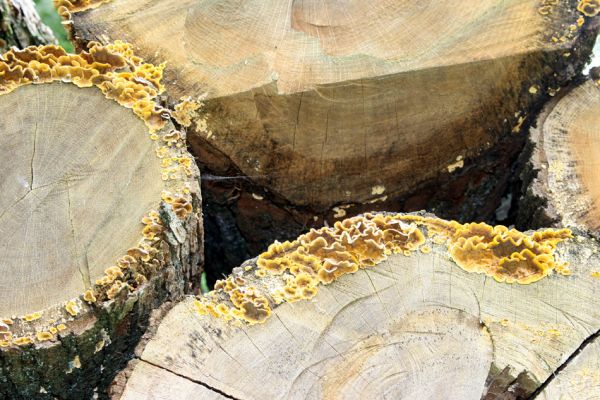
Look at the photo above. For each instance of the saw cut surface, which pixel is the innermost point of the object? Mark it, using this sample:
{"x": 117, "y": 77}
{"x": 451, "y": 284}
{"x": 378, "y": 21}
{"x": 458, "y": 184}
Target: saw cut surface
{"x": 416, "y": 322}
{"x": 79, "y": 175}
{"x": 300, "y": 44}
{"x": 326, "y": 102}
{"x": 568, "y": 153}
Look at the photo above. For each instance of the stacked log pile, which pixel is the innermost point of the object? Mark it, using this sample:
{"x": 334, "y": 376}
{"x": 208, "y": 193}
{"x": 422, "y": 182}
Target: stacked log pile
{"x": 318, "y": 126}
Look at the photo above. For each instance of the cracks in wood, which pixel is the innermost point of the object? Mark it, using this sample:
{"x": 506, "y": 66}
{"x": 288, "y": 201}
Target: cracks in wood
{"x": 297, "y": 121}
{"x": 33, "y": 157}
{"x": 564, "y": 365}
{"x": 14, "y": 204}
{"x": 376, "y": 292}
{"x": 84, "y": 270}
{"x": 207, "y": 386}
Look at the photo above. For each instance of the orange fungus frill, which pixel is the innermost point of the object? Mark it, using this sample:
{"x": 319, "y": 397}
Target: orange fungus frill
{"x": 292, "y": 271}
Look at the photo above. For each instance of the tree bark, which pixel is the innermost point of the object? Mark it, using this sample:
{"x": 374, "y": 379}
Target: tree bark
{"x": 436, "y": 318}
{"x": 97, "y": 228}
{"x": 316, "y": 110}
{"x": 21, "y": 25}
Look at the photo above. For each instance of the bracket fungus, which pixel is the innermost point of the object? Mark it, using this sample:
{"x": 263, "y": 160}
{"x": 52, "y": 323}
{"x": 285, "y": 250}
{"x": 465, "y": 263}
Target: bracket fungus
{"x": 304, "y": 109}
{"x": 589, "y": 8}
{"x": 292, "y": 271}
{"x": 89, "y": 232}
{"x": 66, "y": 7}
{"x": 412, "y": 327}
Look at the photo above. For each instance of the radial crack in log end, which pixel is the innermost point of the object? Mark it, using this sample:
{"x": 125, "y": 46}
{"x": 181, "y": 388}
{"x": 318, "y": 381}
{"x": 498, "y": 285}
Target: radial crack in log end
{"x": 101, "y": 215}
{"x": 410, "y": 319}
{"x": 579, "y": 377}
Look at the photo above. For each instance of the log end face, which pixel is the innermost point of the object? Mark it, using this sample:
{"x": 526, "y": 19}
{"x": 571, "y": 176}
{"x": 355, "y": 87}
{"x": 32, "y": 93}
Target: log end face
{"x": 99, "y": 177}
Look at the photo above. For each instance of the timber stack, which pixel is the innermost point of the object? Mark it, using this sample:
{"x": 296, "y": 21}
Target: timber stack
{"x": 321, "y": 130}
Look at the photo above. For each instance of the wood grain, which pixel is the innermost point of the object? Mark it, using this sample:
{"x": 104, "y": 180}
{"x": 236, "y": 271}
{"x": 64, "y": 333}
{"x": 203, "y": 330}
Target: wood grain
{"x": 566, "y": 158}
{"x": 74, "y": 192}
{"x": 410, "y": 327}
{"x": 323, "y": 102}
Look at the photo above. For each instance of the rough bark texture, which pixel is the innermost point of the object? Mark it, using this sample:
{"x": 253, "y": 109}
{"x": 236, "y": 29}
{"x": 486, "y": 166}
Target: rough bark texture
{"x": 311, "y": 118}
{"x": 20, "y": 25}
{"x": 416, "y": 325}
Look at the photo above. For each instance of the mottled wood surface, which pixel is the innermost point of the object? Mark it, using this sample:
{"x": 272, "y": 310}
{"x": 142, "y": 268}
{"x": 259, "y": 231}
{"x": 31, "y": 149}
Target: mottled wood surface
{"x": 325, "y": 102}
{"x": 74, "y": 191}
{"x": 566, "y": 156}
{"x": 410, "y": 327}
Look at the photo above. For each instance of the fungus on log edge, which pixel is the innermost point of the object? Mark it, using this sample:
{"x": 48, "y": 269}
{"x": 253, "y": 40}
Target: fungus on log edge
{"x": 560, "y": 181}
{"x": 66, "y": 7}
{"x": 589, "y": 8}
{"x": 292, "y": 271}
{"x": 376, "y": 332}
{"x": 125, "y": 78}
{"x": 275, "y": 159}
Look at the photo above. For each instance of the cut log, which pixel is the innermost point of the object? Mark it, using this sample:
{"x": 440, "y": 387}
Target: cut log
{"x": 21, "y": 25}
{"x": 563, "y": 185}
{"x": 96, "y": 229}
{"x": 384, "y": 306}
{"x": 580, "y": 378}
{"x": 314, "y": 109}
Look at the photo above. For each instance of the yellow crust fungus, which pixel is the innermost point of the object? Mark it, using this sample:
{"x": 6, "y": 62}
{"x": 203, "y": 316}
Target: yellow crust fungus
{"x": 545, "y": 10}
{"x": 32, "y": 316}
{"x": 589, "y": 8}
{"x": 22, "y": 341}
{"x": 329, "y": 253}
{"x": 114, "y": 272}
{"x": 172, "y": 138}
{"x": 185, "y": 111}
{"x": 76, "y": 5}
{"x": 99, "y": 346}
{"x": 261, "y": 273}
{"x": 425, "y": 249}
{"x": 89, "y": 297}
{"x": 72, "y": 308}
{"x": 181, "y": 204}
{"x": 116, "y": 288}
{"x": 113, "y": 68}
{"x": 140, "y": 279}
{"x": 321, "y": 256}
{"x": 248, "y": 303}
{"x": 506, "y": 255}
{"x": 43, "y": 336}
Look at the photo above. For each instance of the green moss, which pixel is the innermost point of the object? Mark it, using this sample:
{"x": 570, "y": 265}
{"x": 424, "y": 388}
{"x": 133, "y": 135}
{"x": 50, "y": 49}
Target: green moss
{"x": 203, "y": 283}
{"x": 51, "y": 18}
